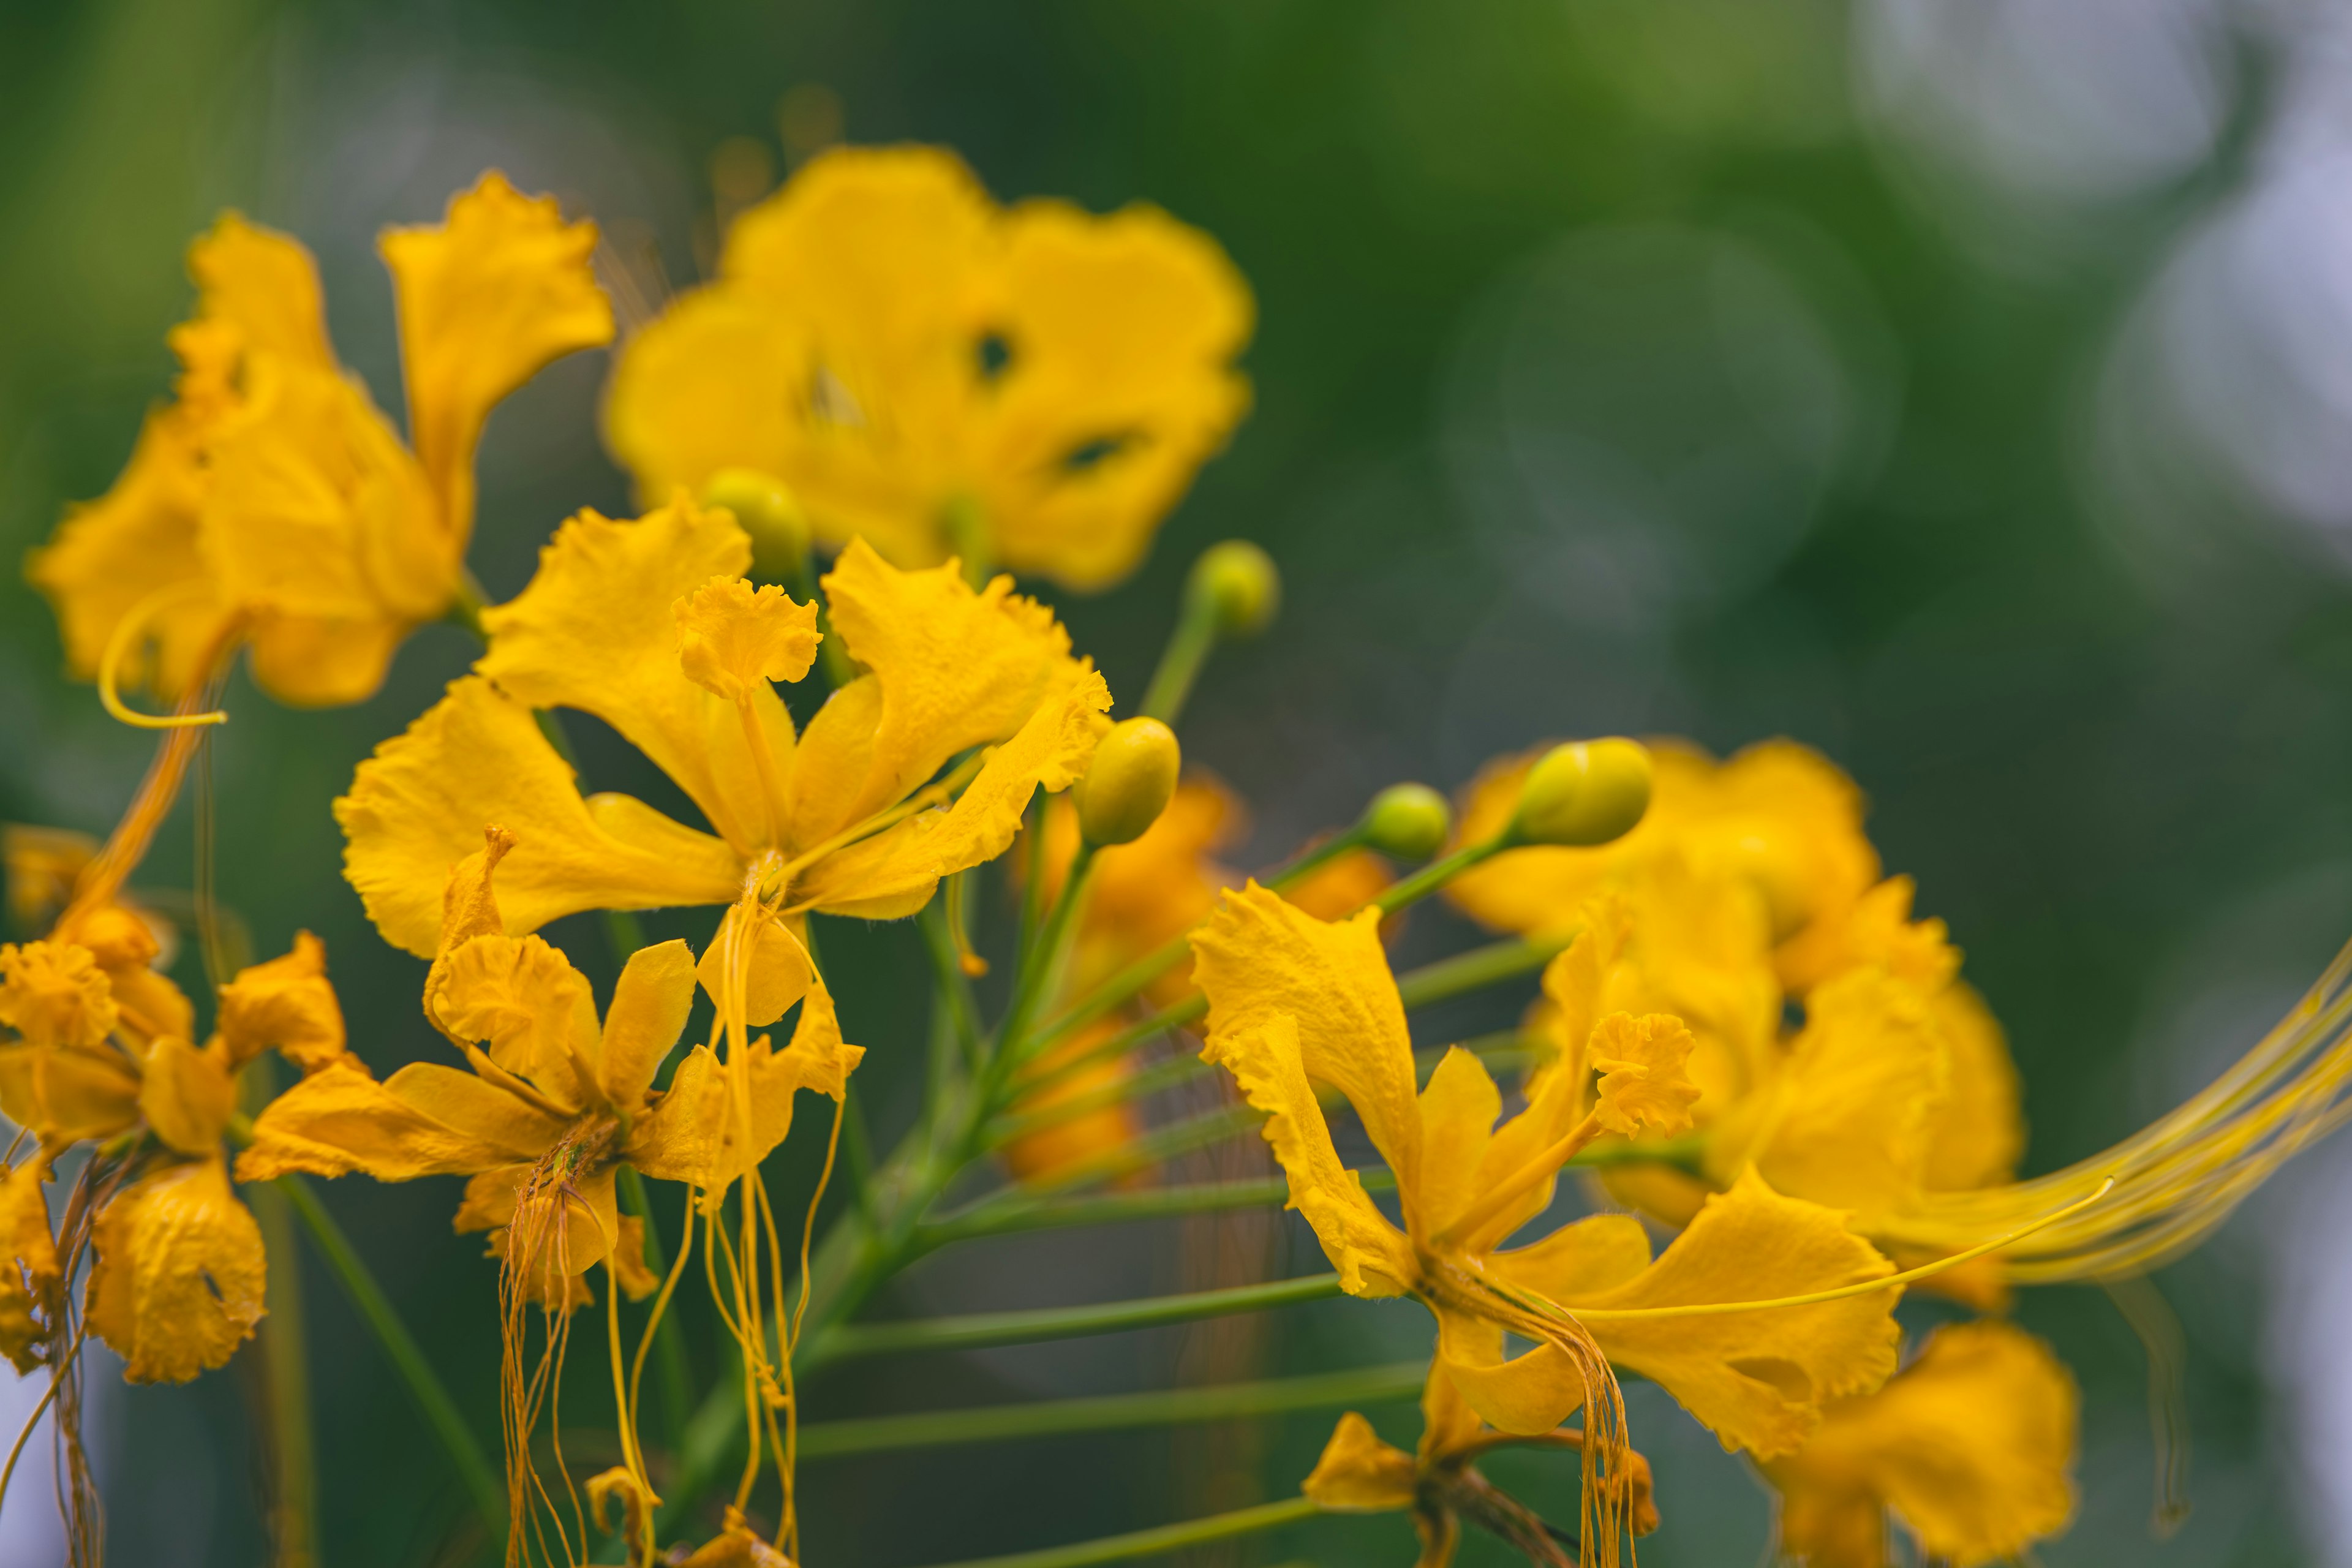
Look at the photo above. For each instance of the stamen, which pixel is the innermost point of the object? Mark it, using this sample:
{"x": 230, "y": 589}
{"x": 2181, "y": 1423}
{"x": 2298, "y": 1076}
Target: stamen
{"x": 126, "y": 632}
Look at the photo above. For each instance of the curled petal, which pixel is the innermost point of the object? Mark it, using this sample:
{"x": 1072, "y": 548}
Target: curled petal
{"x": 286, "y": 1003}
{"x": 178, "y": 1282}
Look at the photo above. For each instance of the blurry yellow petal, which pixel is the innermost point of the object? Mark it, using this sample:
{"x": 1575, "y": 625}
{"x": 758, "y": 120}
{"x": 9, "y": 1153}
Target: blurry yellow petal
{"x": 594, "y": 630}
{"x": 1971, "y": 1445}
{"x": 321, "y": 661}
{"x": 1358, "y": 1473}
{"x": 339, "y": 1120}
{"x": 499, "y": 288}
{"x": 178, "y": 1282}
{"x": 1086, "y": 1136}
{"x": 650, "y": 1003}
{"x": 893, "y": 872}
{"x": 1372, "y": 1257}
{"x": 54, "y": 994}
{"x": 1447, "y": 1421}
{"x": 1757, "y": 1379}
{"x": 418, "y": 807}
{"x": 263, "y": 284}
{"x": 1259, "y": 958}
{"x": 1878, "y": 932}
{"x": 62, "y": 1096}
{"x": 1643, "y": 1082}
{"x": 42, "y": 865}
{"x": 956, "y": 669}
{"x": 188, "y": 1096}
{"x": 286, "y": 1004}
{"x": 1121, "y": 332}
{"x": 1667, "y": 1194}
{"x": 525, "y": 1001}
{"x": 1975, "y": 1131}
{"x": 25, "y": 1219}
{"x": 733, "y": 638}
{"x": 1846, "y": 1121}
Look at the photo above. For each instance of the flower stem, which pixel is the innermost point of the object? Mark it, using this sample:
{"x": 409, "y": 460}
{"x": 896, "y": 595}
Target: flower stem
{"x": 1163, "y": 1539}
{"x": 1189, "y": 646}
{"x": 979, "y": 1328}
{"x": 293, "y": 1451}
{"x": 424, "y": 1385}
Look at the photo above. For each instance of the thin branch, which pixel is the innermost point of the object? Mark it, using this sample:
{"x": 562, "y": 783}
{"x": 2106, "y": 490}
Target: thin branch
{"x": 979, "y": 1328}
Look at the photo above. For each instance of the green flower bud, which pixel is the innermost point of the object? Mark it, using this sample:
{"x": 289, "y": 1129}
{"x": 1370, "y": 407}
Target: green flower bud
{"x": 765, "y": 509}
{"x": 1410, "y": 821}
{"x": 1240, "y": 583}
{"x": 1584, "y": 792}
{"x": 1130, "y": 782}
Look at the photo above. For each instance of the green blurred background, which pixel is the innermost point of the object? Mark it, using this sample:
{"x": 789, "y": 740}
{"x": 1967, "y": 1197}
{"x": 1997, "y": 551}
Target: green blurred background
{"x": 1957, "y": 385}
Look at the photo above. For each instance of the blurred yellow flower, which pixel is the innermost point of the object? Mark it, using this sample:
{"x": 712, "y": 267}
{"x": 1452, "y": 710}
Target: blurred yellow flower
{"x": 1970, "y": 1447}
{"x": 272, "y": 502}
{"x": 1030, "y": 387}
{"x": 644, "y": 625}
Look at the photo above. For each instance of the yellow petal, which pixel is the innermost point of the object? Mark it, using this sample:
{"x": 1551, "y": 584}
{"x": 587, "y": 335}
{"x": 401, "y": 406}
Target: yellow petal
{"x": 499, "y": 288}
{"x": 188, "y": 1096}
{"x": 1082, "y": 1137}
{"x": 733, "y": 638}
{"x": 893, "y": 872}
{"x": 474, "y": 1107}
{"x": 1757, "y": 1379}
{"x": 321, "y": 661}
{"x": 418, "y": 806}
{"x": 339, "y": 1120}
{"x": 1971, "y": 1445}
{"x": 1878, "y": 932}
{"x": 679, "y": 1138}
{"x": 1358, "y": 1473}
{"x": 63, "y": 1096}
{"x": 1976, "y": 1129}
{"x": 42, "y": 866}
{"x": 54, "y": 994}
{"x": 1537, "y": 1390}
{"x": 648, "y": 1013}
{"x": 263, "y": 284}
{"x": 24, "y": 1219}
{"x": 1846, "y": 1122}
{"x": 1458, "y": 1111}
{"x": 178, "y": 1282}
{"x": 776, "y": 971}
{"x": 286, "y": 1003}
{"x": 525, "y": 1001}
{"x": 956, "y": 669}
{"x": 1643, "y": 1082}
{"x": 1372, "y": 1257}
{"x": 1121, "y": 332}
{"x": 1260, "y": 958}
{"x": 638, "y": 1281}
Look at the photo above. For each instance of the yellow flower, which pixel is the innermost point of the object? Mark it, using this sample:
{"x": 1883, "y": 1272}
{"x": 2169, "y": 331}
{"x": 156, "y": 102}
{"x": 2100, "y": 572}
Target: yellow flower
{"x": 1781, "y": 817}
{"x": 552, "y": 1102}
{"x": 938, "y": 375}
{"x": 1969, "y": 1447}
{"x": 1293, "y": 1001}
{"x": 646, "y": 626}
{"x": 273, "y": 500}
{"x": 1440, "y": 1484}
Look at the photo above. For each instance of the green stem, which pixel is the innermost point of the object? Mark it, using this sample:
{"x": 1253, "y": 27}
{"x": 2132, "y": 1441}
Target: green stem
{"x": 671, "y": 1373}
{"x": 1189, "y": 646}
{"x": 293, "y": 1451}
{"x": 979, "y": 1328}
{"x": 1114, "y": 1411}
{"x": 1437, "y": 873}
{"x": 1037, "y": 967}
{"x": 1153, "y": 1542}
{"x": 424, "y": 1385}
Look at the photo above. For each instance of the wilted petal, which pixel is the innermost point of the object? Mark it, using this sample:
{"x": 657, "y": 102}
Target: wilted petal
{"x": 179, "y": 1278}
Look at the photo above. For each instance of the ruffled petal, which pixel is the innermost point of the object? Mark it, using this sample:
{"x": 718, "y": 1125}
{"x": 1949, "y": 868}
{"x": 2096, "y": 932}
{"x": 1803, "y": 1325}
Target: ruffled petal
{"x": 264, "y": 286}
{"x": 1643, "y": 1082}
{"x": 734, "y": 640}
{"x": 178, "y": 1283}
{"x": 525, "y": 1001}
{"x": 284, "y": 1003}
{"x": 418, "y": 806}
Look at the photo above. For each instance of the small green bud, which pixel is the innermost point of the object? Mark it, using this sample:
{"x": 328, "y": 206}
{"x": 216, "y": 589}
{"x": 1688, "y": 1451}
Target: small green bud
{"x": 1240, "y": 583}
{"x": 1584, "y": 792}
{"x": 1130, "y": 782}
{"x": 1410, "y": 821}
{"x": 765, "y": 509}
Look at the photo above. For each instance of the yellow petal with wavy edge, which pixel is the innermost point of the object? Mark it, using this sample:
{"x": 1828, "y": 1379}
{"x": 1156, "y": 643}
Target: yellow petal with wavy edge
{"x": 1536, "y": 1391}
{"x": 339, "y": 1120}
{"x": 1846, "y": 1122}
{"x": 1971, "y": 1445}
{"x": 284, "y": 1003}
{"x": 594, "y": 630}
{"x": 1121, "y": 332}
{"x": 1758, "y": 1380}
{"x": 1260, "y": 958}
{"x": 188, "y": 1096}
{"x": 178, "y": 1282}
{"x": 956, "y": 669}
{"x": 418, "y": 806}
{"x": 650, "y": 1003}
{"x": 733, "y": 638}
{"x": 1878, "y": 932}
{"x": 1358, "y": 1473}
{"x": 499, "y": 288}
{"x": 55, "y": 994}
{"x": 25, "y": 1219}
{"x": 1643, "y": 1083}
{"x": 264, "y": 285}
{"x": 893, "y": 873}
{"x": 522, "y": 999}
{"x": 1373, "y": 1258}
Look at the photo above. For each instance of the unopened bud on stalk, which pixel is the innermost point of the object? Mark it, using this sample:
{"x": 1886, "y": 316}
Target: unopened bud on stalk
{"x": 1128, "y": 784}
{"x": 1240, "y": 583}
{"x": 1410, "y": 821}
{"x": 766, "y": 511}
{"x": 1584, "y": 792}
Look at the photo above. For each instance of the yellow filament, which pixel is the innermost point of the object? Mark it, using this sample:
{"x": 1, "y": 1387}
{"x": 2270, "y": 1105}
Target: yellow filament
{"x": 126, "y": 632}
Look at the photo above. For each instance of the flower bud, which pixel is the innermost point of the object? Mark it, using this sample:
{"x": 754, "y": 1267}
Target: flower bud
{"x": 1584, "y": 792}
{"x": 1240, "y": 583}
{"x": 1410, "y": 821}
{"x": 1128, "y": 784}
{"x": 765, "y": 509}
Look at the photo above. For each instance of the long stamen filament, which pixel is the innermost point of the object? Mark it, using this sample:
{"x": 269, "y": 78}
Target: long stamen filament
{"x": 127, "y": 631}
